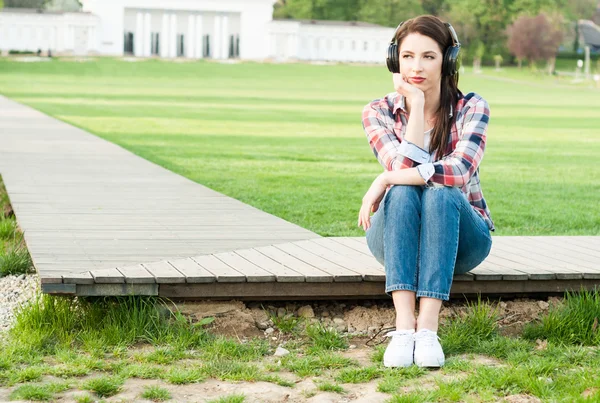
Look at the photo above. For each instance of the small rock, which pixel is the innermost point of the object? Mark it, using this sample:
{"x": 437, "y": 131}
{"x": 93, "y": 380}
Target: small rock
{"x": 280, "y": 352}
{"x": 339, "y": 321}
{"x": 262, "y": 325}
{"x": 280, "y": 312}
{"x": 306, "y": 312}
{"x": 543, "y": 305}
{"x": 325, "y": 314}
{"x": 352, "y": 346}
{"x": 273, "y": 338}
{"x": 21, "y": 277}
{"x": 290, "y": 308}
{"x": 269, "y": 330}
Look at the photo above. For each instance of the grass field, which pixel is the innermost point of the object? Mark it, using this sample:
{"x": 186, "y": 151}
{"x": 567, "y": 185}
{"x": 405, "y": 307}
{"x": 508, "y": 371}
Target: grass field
{"x": 288, "y": 139}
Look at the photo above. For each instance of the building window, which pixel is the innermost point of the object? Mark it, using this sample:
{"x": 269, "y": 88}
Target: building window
{"x": 234, "y": 46}
{"x": 128, "y": 43}
{"x": 366, "y": 46}
{"x": 155, "y": 43}
{"x": 206, "y": 47}
{"x": 180, "y": 45}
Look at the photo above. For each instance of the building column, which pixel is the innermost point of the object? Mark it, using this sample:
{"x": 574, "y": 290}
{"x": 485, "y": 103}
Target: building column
{"x": 216, "y": 40}
{"x": 147, "y": 40}
{"x": 138, "y": 35}
{"x": 164, "y": 37}
{"x": 199, "y": 38}
{"x": 190, "y": 37}
{"x": 224, "y": 37}
{"x": 173, "y": 36}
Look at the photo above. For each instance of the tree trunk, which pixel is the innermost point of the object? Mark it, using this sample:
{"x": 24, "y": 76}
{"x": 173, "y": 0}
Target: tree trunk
{"x": 520, "y": 63}
{"x": 551, "y": 62}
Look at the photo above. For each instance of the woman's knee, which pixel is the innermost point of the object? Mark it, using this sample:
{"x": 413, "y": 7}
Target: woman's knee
{"x": 441, "y": 194}
{"x": 399, "y": 193}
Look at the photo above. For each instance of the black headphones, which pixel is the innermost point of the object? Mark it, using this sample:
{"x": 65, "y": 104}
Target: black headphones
{"x": 449, "y": 64}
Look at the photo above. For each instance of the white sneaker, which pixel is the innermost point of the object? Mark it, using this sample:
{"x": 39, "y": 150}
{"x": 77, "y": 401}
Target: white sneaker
{"x": 399, "y": 353}
{"x": 428, "y": 351}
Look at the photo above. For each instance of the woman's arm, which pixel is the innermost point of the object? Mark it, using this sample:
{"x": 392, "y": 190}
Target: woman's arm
{"x": 457, "y": 168}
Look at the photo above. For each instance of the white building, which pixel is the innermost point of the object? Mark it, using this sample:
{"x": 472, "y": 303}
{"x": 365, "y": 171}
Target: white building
{"x": 344, "y": 41}
{"x": 217, "y": 29}
{"x": 29, "y": 30}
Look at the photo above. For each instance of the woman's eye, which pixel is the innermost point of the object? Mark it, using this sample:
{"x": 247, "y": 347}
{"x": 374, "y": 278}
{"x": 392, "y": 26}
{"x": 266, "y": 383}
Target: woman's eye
{"x": 405, "y": 56}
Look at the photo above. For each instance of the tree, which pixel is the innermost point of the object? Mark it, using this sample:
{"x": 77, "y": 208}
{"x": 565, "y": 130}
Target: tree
{"x": 534, "y": 38}
{"x": 25, "y": 3}
{"x": 389, "y": 13}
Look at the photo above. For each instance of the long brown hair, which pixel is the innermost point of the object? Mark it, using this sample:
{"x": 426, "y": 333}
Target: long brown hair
{"x": 433, "y": 27}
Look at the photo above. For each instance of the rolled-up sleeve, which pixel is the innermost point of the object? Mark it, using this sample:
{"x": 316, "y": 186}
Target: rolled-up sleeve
{"x": 378, "y": 124}
{"x": 457, "y": 168}
{"x": 413, "y": 152}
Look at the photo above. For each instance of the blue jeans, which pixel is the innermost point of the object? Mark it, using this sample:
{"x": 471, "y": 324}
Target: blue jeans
{"x": 425, "y": 235}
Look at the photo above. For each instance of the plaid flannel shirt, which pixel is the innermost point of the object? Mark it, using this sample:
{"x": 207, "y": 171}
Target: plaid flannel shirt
{"x": 383, "y": 124}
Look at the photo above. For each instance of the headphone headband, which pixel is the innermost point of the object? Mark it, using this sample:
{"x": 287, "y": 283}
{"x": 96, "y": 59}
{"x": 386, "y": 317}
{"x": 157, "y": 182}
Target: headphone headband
{"x": 450, "y": 57}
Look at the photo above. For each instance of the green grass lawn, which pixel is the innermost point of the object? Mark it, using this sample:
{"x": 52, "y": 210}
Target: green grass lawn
{"x": 288, "y": 139}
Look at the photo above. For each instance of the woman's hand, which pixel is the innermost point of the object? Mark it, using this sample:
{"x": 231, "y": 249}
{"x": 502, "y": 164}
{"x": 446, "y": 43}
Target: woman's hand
{"x": 402, "y": 87}
{"x": 371, "y": 201}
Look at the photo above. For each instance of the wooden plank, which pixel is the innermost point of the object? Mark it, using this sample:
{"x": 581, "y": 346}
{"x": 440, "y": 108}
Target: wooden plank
{"x": 524, "y": 247}
{"x": 330, "y": 243}
{"x": 311, "y": 273}
{"x": 59, "y": 289}
{"x": 338, "y": 273}
{"x": 354, "y": 243}
{"x": 587, "y": 262}
{"x": 520, "y": 287}
{"x": 222, "y": 272}
{"x": 516, "y": 255}
{"x": 252, "y": 272}
{"x": 193, "y": 272}
{"x": 136, "y": 274}
{"x": 368, "y": 272}
{"x": 575, "y": 248}
{"x": 107, "y": 276}
{"x": 275, "y": 290}
{"x": 588, "y": 242}
{"x": 107, "y": 290}
{"x": 534, "y": 274}
{"x": 282, "y": 273}
{"x": 164, "y": 272}
{"x": 78, "y": 278}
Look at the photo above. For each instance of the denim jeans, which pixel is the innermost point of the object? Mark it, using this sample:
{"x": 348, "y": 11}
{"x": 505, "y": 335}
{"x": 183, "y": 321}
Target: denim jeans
{"x": 425, "y": 235}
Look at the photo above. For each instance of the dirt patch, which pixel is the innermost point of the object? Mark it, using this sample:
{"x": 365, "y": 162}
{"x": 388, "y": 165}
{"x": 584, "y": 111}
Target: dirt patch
{"x": 521, "y": 399}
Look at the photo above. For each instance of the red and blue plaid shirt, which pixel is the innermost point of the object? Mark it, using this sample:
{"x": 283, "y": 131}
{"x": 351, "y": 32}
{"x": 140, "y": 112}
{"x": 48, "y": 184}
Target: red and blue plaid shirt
{"x": 383, "y": 123}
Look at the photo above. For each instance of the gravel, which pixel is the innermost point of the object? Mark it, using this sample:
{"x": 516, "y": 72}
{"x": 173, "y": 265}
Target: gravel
{"x": 15, "y": 290}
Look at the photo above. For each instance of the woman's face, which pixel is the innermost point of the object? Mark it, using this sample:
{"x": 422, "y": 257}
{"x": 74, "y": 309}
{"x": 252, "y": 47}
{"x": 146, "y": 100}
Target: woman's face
{"x": 421, "y": 62}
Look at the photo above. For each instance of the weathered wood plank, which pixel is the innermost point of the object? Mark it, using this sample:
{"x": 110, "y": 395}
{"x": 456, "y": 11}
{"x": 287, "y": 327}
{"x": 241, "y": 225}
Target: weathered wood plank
{"x": 59, "y": 289}
{"x": 330, "y": 243}
{"x": 588, "y": 262}
{"x": 338, "y": 273}
{"x": 164, "y": 272}
{"x": 107, "y": 276}
{"x": 100, "y": 290}
{"x": 78, "y": 278}
{"x": 282, "y": 273}
{"x": 368, "y": 272}
{"x": 311, "y": 273}
{"x": 193, "y": 272}
{"x": 136, "y": 274}
{"x": 222, "y": 272}
{"x": 252, "y": 272}
{"x": 360, "y": 244}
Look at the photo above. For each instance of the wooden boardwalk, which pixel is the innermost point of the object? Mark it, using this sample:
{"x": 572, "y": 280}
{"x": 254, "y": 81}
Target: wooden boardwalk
{"x": 99, "y": 220}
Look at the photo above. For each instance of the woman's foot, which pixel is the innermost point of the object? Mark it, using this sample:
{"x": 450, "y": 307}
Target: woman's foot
{"x": 399, "y": 352}
{"x": 428, "y": 351}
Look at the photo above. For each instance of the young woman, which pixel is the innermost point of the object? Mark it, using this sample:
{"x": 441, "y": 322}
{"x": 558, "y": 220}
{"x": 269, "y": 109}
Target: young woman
{"x": 433, "y": 221}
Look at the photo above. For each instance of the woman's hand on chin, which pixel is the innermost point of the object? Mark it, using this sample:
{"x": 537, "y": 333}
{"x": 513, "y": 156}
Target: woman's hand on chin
{"x": 402, "y": 87}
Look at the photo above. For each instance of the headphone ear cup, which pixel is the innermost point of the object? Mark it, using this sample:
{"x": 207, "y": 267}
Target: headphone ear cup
{"x": 449, "y": 66}
{"x": 392, "y": 59}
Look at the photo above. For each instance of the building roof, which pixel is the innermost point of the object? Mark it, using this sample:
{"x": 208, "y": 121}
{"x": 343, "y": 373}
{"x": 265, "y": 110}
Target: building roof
{"x": 331, "y": 22}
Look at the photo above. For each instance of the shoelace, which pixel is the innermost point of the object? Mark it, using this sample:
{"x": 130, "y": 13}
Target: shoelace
{"x": 426, "y": 338}
{"x": 401, "y": 341}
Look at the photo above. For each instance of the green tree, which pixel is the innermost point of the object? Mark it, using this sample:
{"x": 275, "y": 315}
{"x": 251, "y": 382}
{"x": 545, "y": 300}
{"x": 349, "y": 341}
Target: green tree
{"x": 26, "y": 3}
{"x": 389, "y": 12}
